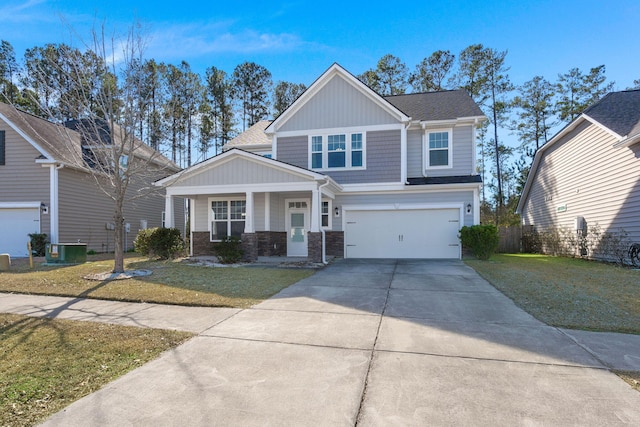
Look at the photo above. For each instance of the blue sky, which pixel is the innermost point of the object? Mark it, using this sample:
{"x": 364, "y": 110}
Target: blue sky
{"x": 298, "y": 40}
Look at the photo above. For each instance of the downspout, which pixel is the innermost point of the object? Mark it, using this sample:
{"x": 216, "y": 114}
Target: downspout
{"x": 324, "y": 238}
{"x": 54, "y": 205}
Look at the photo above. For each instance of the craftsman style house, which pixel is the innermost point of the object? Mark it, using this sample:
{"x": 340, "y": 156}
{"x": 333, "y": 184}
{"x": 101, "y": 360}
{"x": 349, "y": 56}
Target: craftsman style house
{"x": 46, "y": 187}
{"x": 342, "y": 172}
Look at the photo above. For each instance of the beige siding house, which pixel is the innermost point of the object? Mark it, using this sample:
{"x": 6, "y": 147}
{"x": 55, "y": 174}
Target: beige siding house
{"x": 589, "y": 173}
{"x": 45, "y": 188}
{"x": 342, "y": 172}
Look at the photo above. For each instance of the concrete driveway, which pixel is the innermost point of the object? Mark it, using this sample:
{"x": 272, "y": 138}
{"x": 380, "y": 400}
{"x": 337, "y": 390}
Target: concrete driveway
{"x": 371, "y": 343}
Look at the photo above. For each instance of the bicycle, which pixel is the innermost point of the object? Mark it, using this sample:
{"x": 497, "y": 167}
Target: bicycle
{"x": 634, "y": 254}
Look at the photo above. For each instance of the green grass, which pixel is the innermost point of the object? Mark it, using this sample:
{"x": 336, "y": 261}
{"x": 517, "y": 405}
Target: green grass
{"x": 46, "y": 364}
{"x": 567, "y": 292}
{"x": 171, "y": 282}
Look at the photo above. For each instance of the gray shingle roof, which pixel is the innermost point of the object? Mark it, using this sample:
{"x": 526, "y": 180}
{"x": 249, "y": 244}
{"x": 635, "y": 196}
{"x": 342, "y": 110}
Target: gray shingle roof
{"x": 445, "y": 105}
{"x": 619, "y": 111}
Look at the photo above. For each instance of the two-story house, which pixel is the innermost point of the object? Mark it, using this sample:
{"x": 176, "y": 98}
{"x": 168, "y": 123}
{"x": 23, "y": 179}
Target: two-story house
{"x": 342, "y": 172}
{"x": 46, "y": 186}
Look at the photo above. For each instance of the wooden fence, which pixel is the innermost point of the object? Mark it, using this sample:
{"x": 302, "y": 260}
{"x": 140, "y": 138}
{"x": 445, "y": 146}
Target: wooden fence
{"x": 510, "y": 239}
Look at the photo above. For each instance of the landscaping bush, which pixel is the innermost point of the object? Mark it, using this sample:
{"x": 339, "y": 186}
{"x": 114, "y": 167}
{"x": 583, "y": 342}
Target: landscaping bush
{"x": 38, "y": 243}
{"x": 482, "y": 240}
{"x": 164, "y": 243}
{"x": 229, "y": 251}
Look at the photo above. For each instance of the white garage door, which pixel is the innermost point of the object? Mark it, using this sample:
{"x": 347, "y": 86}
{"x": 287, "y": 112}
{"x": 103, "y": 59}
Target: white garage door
{"x": 15, "y": 226}
{"x": 424, "y": 233}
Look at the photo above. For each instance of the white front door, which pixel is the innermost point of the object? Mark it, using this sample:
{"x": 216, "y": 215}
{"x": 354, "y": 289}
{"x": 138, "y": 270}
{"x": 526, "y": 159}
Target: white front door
{"x": 297, "y": 227}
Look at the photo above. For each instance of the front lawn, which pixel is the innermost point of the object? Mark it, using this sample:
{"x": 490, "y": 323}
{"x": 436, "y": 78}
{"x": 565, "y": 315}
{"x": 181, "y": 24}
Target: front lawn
{"x": 171, "y": 282}
{"x": 567, "y": 292}
{"x": 47, "y": 364}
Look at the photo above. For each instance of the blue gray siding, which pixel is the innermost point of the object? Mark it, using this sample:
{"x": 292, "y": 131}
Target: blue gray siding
{"x": 463, "y": 149}
{"x": 294, "y": 150}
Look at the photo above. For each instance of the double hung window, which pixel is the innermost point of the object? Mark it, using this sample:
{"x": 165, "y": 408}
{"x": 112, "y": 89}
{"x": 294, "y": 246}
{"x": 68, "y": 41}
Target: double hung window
{"x": 337, "y": 151}
{"x": 438, "y": 149}
{"x": 227, "y": 218}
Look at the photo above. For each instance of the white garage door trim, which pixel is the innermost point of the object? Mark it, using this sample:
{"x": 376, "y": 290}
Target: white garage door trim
{"x": 13, "y": 242}
{"x": 351, "y": 209}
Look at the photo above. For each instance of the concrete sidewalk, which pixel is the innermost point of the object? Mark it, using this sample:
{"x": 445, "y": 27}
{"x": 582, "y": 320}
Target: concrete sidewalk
{"x": 379, "y": 342}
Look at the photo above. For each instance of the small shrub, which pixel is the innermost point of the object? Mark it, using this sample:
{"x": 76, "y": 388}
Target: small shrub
{"x": 141, "y": 242}
{"x": 229, "y": 251}
{"x": 91, "y": 252}
{"x": 38, "y": 243}
{"x": 164, "y": 243}
{"x": 481, "y": 239}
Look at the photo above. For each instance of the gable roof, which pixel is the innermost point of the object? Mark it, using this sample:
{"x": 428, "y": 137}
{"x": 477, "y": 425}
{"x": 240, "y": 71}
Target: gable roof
{"x": 330, "y": 73}
{"x": 617, "y": 112}
{"x": 52, "y": 140}
{"x": 444, "y": 105}
{"x": 237, "y": 152}
{"x": 253, "y": 136}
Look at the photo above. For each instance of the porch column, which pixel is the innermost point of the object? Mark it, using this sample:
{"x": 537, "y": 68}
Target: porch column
{"x": 248, "y": 219}
{"x": 267, "y": 211}
{"x": 316, "y": 205}
{"x": 168, "y": 211}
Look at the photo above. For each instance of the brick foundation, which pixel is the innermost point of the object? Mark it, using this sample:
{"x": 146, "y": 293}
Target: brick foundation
{"x": 202, "y": 244}
{"x": 249, "y": 245}
{"x": 272, "y": 243}
{"x": 334, "y": 243}
{"x": 314, "y": 246}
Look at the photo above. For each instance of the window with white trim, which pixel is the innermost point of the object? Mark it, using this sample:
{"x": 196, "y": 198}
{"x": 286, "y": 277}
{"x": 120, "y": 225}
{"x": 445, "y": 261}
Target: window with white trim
{"x": 438, "y": 149}
{"x": 226, "y": 218}
{"x": 325, "y": 218}
{"x": 337, "y": 151}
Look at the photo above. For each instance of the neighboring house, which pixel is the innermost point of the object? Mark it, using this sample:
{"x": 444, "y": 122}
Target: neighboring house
{"x": 589, "y": 173}
{"x": 45, "y": 187}
{"x": 350, "y": 174}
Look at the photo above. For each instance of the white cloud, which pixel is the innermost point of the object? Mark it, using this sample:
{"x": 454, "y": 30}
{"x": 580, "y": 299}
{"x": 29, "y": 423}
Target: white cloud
{"x": 191, "y": 40}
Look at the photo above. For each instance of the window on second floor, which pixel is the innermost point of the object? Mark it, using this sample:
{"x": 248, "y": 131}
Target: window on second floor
{"x": 438, "y": 149}
{"x": 337, "y": 151}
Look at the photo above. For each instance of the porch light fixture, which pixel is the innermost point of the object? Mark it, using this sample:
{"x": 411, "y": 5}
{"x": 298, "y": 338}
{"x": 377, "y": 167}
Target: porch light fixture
{"x": 44, "y": 208}
{"x": 468, "y": 208}
{"x": 336, "y": 211}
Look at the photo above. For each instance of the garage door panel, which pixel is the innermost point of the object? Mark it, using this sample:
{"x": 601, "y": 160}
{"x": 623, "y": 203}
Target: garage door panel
{"x": 15, "y": 226}
{"x": 423, "y": 233}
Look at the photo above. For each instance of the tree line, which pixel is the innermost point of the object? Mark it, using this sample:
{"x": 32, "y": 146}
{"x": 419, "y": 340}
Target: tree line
{"x": 184, "y": 113}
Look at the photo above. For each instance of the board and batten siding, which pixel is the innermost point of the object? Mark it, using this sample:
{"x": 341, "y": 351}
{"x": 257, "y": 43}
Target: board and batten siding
{"x": 21, "y": 178}
{"x": 84, "y": 212}
{"x": 240, "y": 171}
{"x": 446, "y": 197}
{"x": 337, "y": 104}
{"x": 585, "y": 176}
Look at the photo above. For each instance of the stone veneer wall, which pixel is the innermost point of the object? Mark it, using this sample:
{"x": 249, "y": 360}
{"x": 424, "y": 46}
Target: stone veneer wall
{"x": 272, "y": 243}
{"x": 314, "y": 241}
{"x": 249, "y": 244}
{"x": 202, "y": 244}
{"x": 334, "y": 242}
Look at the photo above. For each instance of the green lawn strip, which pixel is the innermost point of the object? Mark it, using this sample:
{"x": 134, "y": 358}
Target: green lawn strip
{"x": 46, "y": 364}
{"x": 566, "y": 292}
{"x": 171, "y": 282}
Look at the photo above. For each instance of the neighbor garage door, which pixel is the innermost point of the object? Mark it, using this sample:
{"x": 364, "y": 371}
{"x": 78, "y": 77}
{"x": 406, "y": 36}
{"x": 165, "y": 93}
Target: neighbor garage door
{"x": 423, "y": 233}
{"x": 15, "y": 226}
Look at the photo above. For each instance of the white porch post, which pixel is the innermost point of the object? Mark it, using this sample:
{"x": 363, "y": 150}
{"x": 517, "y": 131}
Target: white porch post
{"x": 53, "y": 204}
{"x": 168, "y": 212}
{"x": 267, "y": 211}
{"x": 316, "y": 205}
{"x": 248, "y": 219}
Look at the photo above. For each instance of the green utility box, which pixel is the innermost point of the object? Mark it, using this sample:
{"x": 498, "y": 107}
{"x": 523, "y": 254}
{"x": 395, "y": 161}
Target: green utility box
{"x": 66, "y": 253}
